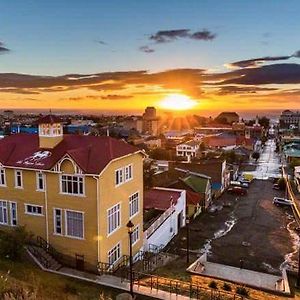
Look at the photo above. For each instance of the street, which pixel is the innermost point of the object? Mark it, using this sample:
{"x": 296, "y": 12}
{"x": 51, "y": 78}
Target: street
{"x": 251, "y": 228}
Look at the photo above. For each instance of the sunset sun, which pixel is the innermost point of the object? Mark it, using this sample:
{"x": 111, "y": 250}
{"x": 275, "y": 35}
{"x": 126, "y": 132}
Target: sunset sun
{"x": 177, "y": 102}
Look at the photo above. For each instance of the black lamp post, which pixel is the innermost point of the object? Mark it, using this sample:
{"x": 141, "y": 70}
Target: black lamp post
{"x": 130, "y": 226}
{"x": 187, "y": 221}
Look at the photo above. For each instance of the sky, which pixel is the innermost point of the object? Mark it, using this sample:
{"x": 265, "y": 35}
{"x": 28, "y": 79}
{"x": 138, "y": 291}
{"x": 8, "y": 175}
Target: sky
{"x": 120, "y": 56}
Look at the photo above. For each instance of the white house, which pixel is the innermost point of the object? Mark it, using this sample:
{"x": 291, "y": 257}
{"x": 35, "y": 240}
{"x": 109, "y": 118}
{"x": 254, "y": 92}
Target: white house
{"x": 188, "y": 149}
{"x": 164, "y": 213}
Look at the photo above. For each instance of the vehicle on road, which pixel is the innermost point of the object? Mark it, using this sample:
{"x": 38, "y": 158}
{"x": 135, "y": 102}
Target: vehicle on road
{"x": 239, "y": 183}
{"x": 237, "y": 191}
{"x": 282, "y": 201}
{"x": 276, "y": 186}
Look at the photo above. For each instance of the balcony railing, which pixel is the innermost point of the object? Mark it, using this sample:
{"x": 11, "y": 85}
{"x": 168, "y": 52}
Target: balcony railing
{"x": 159, "y": 221}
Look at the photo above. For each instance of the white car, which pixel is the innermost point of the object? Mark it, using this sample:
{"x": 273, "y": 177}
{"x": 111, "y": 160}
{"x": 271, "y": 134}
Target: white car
{"x": 282, "y": 201}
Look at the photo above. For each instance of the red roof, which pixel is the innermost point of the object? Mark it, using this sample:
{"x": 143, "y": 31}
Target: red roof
{"x": 91, "y": 153}
{"x": 160, "y": 199}
{"x": 220, "y": 141}
{"x": 192, "y": 198}
{"x": 49, "y": 119}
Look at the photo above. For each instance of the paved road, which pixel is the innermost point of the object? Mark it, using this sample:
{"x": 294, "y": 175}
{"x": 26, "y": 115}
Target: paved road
{"x": 268, "y": 163}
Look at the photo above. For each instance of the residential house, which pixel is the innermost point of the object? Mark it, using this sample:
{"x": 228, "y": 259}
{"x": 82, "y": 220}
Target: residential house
{"x": 164, "y": 215}
{"x": 227, "y": 117}
{"x": 75, "y": 192}
{"x": 188, "y": 149}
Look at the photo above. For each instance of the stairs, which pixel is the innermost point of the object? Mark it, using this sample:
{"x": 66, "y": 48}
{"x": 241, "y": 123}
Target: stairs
{"x": 44, "y": 257}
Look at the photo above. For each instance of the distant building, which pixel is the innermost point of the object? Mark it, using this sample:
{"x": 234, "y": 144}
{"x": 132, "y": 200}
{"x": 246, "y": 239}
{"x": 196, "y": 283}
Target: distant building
{"x": 227, "y": 117}
{"x": 8, "y": 114}
{"x": 150, "y": 121}
{"x": 289, "y": 119}
{"x": 188, "y": 149}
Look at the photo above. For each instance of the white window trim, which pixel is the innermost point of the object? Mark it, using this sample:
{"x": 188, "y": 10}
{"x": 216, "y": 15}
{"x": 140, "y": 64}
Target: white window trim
{"x": 4, "y": 171}
{"x": 139, "y": 232}
{"x": 66, "y": 226}
{"x": 107, "y": 219}
{"x": 18, "y": 187}
{"x": 131, "y": 217}
{"x": 7, "y": 213}
{"x": 37, "y": 182}
{"x": 120, "y": 244}
{"x": 10, "y": 213}
{"x": 54, "y": 222}
{"x": 34, "y": 214}
{"x": 124, "y": 174}
{"x": 69, "y": 194}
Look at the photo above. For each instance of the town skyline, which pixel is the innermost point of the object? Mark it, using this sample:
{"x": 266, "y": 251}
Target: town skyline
{"x": 195, "y": 58}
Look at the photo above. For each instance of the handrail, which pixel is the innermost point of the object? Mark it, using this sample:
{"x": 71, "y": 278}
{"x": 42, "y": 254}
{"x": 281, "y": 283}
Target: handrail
{"x": 48, "y": 248}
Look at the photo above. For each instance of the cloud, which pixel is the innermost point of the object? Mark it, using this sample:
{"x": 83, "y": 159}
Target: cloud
{"x": 166, "y": 36}
{"x": 233, "y": 89}
{"x": 296, "y": 54}
{"x": 101, "y": 42}
{"x": 254, "y": 62}
{"x": 203, "y": 35}
{"x": 146, "y": 49}
{"x": 116, "y": 97}
{"x": 3, "y": 49}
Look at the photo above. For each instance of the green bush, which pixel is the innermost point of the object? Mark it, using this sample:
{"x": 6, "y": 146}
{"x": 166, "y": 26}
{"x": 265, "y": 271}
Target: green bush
{"x": 12, "y": 243}
{"x": 227, "y": 287}
{"x": 213, "y": 285}
{"x": 242, "y": 291}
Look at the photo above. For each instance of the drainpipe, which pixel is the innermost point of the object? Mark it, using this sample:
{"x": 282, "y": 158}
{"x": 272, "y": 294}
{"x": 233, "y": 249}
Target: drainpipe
{"x": 46, "y": 207}
{"x": 97, "y": 178}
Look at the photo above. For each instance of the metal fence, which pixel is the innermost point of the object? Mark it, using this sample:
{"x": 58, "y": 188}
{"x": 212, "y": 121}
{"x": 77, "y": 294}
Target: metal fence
{"x": 179, "y": 287}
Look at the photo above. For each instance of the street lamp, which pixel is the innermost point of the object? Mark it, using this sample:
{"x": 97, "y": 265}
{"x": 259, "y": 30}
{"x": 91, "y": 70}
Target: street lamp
{"x": 187, "y": 222}
{"x": 130, "y": 226}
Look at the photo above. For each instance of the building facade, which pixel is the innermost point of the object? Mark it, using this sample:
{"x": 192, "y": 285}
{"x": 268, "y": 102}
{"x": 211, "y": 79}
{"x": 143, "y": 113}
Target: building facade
{"x": 76, "y": 192}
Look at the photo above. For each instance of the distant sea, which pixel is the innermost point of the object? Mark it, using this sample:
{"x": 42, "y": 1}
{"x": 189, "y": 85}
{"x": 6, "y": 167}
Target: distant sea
{"x": 249, "y": 114}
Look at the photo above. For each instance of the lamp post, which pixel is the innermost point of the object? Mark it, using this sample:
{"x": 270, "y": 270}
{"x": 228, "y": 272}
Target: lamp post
{"x": 187, "y": 222}
{"x": 130, "y": 226}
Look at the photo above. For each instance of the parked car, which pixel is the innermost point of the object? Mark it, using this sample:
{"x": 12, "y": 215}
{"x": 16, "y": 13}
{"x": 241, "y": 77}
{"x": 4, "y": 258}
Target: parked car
{"x": 237, "y": 190}
{"x": 244, "y": 184}
{"x": 276, "y": 186}
{"x": 282, "y": 201}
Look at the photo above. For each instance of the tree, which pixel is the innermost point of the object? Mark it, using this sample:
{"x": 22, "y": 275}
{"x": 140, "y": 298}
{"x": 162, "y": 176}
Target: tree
{"x": 159, "y": 153}
{"x": 255, "y": 155}
{"x": 148, "y": 174}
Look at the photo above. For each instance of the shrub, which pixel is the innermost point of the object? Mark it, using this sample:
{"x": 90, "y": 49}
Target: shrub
{"x": 227, "y": 287}
{"x": 12, "y": 242}
{"x": 213, "y": 285}
{"x": 70, "y": 288}
{"x": 242, "y": 291}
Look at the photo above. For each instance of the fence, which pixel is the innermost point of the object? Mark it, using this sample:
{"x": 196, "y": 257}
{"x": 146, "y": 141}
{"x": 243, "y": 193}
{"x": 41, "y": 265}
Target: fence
{"x": 179, "y": 287}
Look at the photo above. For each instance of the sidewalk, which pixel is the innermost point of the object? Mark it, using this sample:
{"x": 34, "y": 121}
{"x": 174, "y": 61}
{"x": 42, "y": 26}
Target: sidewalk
{"x": 113, "y": 282}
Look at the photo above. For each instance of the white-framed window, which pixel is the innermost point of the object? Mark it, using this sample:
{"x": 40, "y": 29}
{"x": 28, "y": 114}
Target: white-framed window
{"x": 40, "y": 181}
{"x": 133, "y": 204}
{"x": 57, "y": 220}
{"x": 18, "y": 179}
{"x": 135, "y": 234}
{"x": 123, "y": 174}
{"x": 35, "y": 210}
{"x": 74, "y": 224}
{"x": 119, "y": 176}
{"x": 114, "y": 254}
{"x": 2, "y": 177}
{"x": 113, "y": 218}
{"x": 13, "y": 213}
{"x": 3, "y": 213}
{"x": 72, "y": 184}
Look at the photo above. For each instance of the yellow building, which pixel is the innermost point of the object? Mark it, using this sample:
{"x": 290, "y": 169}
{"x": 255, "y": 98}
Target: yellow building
{"x": 76, "y": 192}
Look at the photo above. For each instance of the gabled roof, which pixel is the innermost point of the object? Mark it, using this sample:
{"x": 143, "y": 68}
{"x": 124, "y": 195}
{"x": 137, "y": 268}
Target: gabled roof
{"x": 160, "y": 199}
{"x": 49, "y": 119}
{"x": 196, "y": 183}
{"x": 90, "y": 153}
{"x": 193, "y": 198}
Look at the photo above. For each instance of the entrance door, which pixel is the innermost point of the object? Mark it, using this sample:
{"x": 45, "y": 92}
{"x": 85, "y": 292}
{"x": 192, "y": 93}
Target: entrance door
{"x": 79, "y": 262}
{"x": 179, "y": 220}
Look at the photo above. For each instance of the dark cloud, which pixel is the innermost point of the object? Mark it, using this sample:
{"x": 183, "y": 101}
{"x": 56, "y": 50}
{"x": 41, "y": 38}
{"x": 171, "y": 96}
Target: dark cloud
{"x": 146, "y": 49}
{"x": 101, "y": 42}
{"x": 269, "y": 74}
{"x": 296, "y": 54}
{"x": 233, "y": 89}
{"x": 3, "y": 49}
{"x": 254, "y": 62}
{"x": 166, "y": 36}
{"x": 203, "y": 35}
